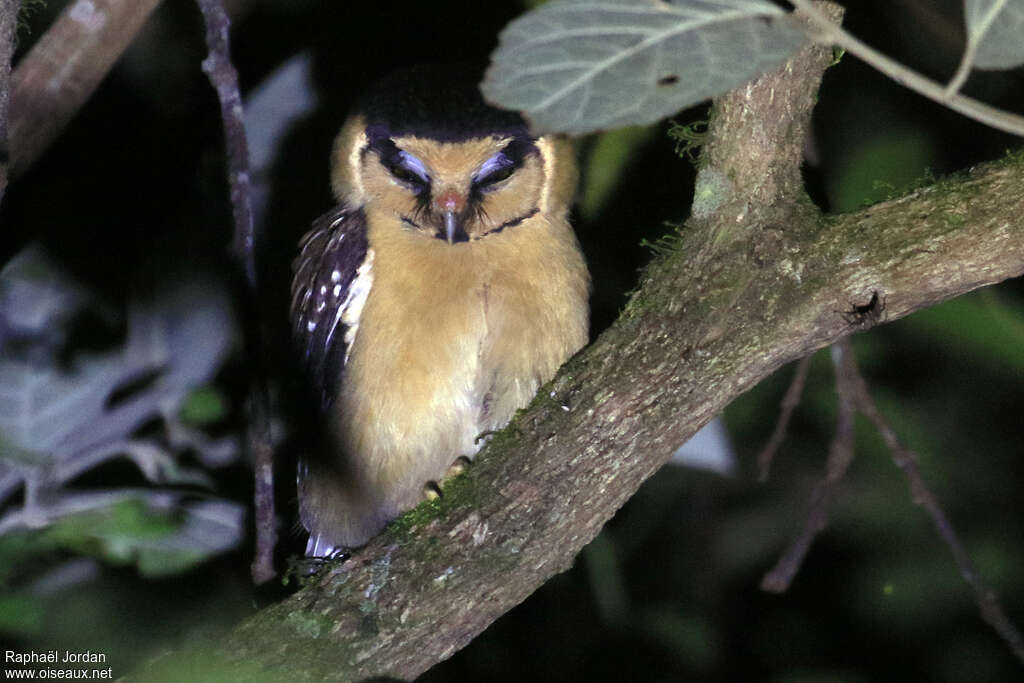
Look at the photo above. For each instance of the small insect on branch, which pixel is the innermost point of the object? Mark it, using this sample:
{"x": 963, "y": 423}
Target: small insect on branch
{"x": 865, "y": 315}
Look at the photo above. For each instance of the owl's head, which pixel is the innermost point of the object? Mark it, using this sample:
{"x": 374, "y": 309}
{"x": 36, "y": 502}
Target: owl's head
{"x": 424, "y": 147}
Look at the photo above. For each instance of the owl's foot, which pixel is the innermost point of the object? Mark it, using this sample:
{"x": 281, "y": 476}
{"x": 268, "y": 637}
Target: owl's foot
{"x": 432, "y": 490}
{"x": 457, "y": 467}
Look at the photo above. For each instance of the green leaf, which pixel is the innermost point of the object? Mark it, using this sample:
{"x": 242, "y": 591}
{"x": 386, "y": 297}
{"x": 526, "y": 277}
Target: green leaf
{"x": 203, "y": 406}
{"x": 158, "y": 538}
{"x": 996, "y": 27}
{"x": 880, "y": 168}
{"x": 605, "y": 165}
{"x": 36, "y": 297}
{"x": 21, "y": 614}
{"x": 576, "y": 66}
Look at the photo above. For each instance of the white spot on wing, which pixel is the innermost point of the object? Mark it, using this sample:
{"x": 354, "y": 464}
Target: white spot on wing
{"x": 350, "y": 310}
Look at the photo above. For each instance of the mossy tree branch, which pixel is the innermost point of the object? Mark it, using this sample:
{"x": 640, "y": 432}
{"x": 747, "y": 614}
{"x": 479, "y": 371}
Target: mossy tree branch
{"x": 758, "y": 278}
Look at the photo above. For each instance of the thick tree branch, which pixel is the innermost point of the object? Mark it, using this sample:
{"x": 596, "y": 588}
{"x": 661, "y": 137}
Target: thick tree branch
{"x": 757, "y": 282}
{"x": 63, "y": 68}
{"x": 8, "y": 24}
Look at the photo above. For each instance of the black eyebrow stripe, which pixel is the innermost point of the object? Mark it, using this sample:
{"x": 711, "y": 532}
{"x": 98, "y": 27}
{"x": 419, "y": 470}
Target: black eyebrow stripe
{"x": 518, "y": 149}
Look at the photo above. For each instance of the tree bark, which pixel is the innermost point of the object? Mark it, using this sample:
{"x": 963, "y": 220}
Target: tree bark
{"x": 757, "y": 277}
{"x": 63, "y": 69}
{"x": 8, "y": 26}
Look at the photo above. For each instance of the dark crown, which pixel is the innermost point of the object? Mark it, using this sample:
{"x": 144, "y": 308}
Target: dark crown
{"x": 439, "y": 102}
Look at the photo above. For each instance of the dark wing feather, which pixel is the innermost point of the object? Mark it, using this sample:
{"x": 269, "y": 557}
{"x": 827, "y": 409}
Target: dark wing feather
{"x": 326, "y": 271}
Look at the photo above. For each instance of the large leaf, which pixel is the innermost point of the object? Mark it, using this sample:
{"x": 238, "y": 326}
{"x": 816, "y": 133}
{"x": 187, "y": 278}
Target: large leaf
{"x": 59, "y": 420}
{"x": 996, "y": 27}
{"x": 576, "y": 66}
{"x": 36, "y": 298}
{"x": 154, "y": 531}
{"x": 43, "y": 407}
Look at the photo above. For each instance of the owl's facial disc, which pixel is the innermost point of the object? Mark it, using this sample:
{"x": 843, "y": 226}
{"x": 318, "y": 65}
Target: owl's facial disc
{"x": 455, "y": 191}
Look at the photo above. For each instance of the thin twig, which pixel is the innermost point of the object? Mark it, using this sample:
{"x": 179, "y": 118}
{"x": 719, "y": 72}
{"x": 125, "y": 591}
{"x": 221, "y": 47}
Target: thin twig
{"x": 907, "y": 460}
{"x": 224, "y": 78}
{"x": 964, "y": 70}
{"x": 979, "y": 111}
{"x": 841, "y": 451}
{"x": 971, "y": 49}
{"x": 789, "y": 403}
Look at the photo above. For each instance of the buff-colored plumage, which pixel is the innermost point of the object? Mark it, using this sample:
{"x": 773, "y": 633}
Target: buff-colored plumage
{"x": 450, "y": 338}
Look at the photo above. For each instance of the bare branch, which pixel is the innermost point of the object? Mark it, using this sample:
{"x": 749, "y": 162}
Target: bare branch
{"x": 839, "y": 458}
{"x": 907, "y": 460}
{"x": 224, "y": 78}
{"x": 64, "y": 67}
{"x": 789, "y": 403}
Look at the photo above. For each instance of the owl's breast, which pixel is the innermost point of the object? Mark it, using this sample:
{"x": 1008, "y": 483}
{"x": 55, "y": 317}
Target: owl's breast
{"x": 453, "y": 339}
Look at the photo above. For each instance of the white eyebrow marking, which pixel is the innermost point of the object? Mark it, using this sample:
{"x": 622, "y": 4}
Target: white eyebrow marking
{"x": 415, "y": 165}
{"x": 495, "y": 163}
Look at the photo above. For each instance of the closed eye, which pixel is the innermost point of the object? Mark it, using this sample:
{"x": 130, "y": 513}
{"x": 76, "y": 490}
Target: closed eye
{"x": 403, "y": 167}
{"x": 408, "y": 169}
{"x": 493, "y": 171}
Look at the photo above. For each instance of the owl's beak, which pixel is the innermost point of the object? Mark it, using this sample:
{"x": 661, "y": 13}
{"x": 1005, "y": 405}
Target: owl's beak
{"x": 450, "y": 226}
{"x": 450, "y": 204}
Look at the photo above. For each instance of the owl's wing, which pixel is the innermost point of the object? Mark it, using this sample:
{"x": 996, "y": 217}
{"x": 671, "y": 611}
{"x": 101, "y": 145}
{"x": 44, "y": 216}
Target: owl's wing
{"x": 333, "y": 276}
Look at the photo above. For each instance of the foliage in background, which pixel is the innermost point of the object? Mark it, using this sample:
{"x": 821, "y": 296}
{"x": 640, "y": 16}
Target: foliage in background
{"x": 68, "y": 411}
{"x": 994, "y": 30}
{"x": 673, "y": 591}
{"x": 577, "y": 66}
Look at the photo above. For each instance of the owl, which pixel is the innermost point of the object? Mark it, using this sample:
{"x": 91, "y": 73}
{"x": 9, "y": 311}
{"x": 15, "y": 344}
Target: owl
{"x": 434, "y": 300}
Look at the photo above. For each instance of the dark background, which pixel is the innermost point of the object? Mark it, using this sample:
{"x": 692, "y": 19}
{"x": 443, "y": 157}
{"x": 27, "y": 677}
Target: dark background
{"x": 669, "y": 591}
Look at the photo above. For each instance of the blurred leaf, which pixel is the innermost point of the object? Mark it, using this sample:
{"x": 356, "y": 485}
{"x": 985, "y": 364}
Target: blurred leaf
{"x": 915, "y": 588}
{"x": 210, "y": 527}
{"x": 18, "y": 547}
{"x": 997, "y": 28}
{"x": 192, "y": 327}
{"x": 150, "y": 533}
{"x": 976, "y": 326}
{"x": 892, "y": 162}
{"x": 50, "y": 413}
{"x": 606, "y": 579}
{"x": 607, "y": 162}
{"x": 44, "y": 409}
{"x": 35, "y": 296}
{"x": 823, "y": 676}
{"x": 20, "y": 614}
{"x": 576, "y": 66}
{"x": 59, "y": 421}
{"x": 690, "y": 638}
{"x": 207, "y": 666}
{"x": 203, "y": 406}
